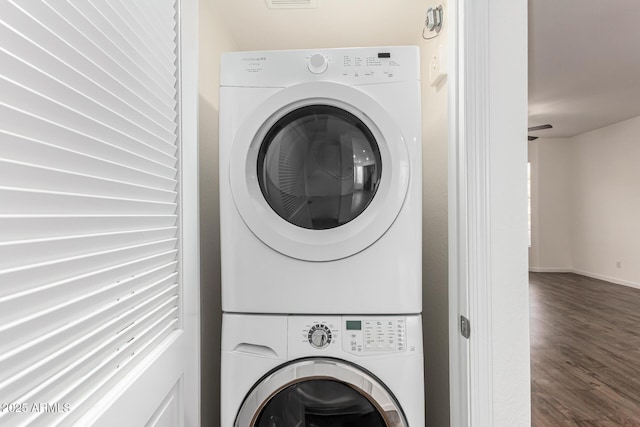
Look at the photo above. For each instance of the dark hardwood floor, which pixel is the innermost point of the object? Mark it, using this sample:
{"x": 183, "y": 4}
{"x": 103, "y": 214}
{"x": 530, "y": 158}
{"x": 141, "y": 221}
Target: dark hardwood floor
{"x": 585, "y": 352}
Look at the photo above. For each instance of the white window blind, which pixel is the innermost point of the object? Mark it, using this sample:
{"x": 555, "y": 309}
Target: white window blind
{"x": 89, "y": 227}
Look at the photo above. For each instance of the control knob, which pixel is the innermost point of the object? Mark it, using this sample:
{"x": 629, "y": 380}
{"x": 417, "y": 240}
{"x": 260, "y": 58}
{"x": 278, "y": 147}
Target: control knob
{"x": 319, "y": 336}
{"x": 318, "y": 63}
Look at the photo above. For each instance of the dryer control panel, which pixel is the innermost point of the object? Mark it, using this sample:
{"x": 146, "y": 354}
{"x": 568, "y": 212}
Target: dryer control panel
{"x": 374, "y": 335}
{"x": 348, "y": 66}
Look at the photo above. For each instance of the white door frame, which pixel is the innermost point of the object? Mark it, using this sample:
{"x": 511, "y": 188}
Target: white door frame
{"x": 487, "y": 107}
{"x": 190, "y": 224}
{"x": 469, "y": 291}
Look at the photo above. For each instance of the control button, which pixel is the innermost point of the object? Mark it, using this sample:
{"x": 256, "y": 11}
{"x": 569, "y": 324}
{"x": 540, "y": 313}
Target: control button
{"x": 318, "y": 63}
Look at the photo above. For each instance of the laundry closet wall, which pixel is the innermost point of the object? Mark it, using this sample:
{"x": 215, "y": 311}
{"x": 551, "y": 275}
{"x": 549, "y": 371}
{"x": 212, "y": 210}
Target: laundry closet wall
{"x": 435, "y": 258}
{"x": 214, "y": 39}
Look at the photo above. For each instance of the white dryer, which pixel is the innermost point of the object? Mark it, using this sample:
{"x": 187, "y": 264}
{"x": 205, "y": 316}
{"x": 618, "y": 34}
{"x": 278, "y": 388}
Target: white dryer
{"x": 320, "y": 181}
{"x": 330, "y": 371}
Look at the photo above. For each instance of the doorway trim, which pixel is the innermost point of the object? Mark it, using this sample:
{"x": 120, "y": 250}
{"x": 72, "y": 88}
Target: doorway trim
{"x": 490, "y": 381}
{"x": 470, "y": 290}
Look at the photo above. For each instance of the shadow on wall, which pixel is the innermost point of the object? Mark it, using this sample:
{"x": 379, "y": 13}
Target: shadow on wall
{"x": 210, "y": 305}
{"x": 435, "y": 238}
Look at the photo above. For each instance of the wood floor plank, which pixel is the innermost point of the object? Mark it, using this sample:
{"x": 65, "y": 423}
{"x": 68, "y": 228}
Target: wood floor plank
{"x": 585, "y": 352}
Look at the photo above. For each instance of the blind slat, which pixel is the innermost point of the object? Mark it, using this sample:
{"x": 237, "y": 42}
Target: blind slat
{"x": 28, "y": 100}
{"x": 36, "y": 19}
{"x": 89, "y": 182}
{"x": 138, "y": 29}
{"x": 43, "y": 47}
{"x": 88, "y": 22}
{"x": 161, "y": 13}
{"x": 86, "y": 77}
{"x": 29, "y": 75}
{"x": 36, "y": 300}
{"x": 57, "y": 203}
{"x": 43, "y": 226}
{"x": 103, "y": 16}
{"x": 25, "y": 125}
{"x": 157, "y": 17}
{"x": 92, "y": 362}
{"x": 32, "y": 177}
{"x": 25, "y": 150}
{"x": 111, "y": 338}
{"x": 20, "y": 357}
{"x": 65, "y": 340}
{"x": 16, "y": 254}
{"x": 94, "y": 384}
{"x": 23, "y": 279}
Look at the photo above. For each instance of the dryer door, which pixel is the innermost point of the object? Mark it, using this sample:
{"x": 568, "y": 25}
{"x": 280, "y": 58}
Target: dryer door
{"x": 319, "y": 171}
{"x": 320, "y": 392}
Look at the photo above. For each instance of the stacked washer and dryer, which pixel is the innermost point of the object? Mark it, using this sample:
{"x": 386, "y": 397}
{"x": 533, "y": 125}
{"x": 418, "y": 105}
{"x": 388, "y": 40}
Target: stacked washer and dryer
{"x": 320, "y": 204}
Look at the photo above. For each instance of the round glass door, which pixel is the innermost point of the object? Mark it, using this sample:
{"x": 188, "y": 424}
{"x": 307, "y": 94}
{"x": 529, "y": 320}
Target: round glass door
{"x": 319, "y": 171}
{"x": 319, "y": 167}
{"x": 319, "y": 403}
{"x": 318, "y": 392}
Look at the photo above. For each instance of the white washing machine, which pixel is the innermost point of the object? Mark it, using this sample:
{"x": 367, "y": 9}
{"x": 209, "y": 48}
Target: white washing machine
{"x": 321, "y": 371}
{"x": 320, "y": 181}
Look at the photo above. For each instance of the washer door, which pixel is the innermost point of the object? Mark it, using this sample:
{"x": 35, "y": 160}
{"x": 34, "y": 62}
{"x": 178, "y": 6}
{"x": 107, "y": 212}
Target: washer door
{"x": 319, "y": 171}
{"x": 323, "y": 393}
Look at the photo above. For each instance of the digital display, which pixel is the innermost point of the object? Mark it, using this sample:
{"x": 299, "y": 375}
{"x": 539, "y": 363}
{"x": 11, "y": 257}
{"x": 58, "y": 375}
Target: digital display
{"x": 384, "y": 55}
{"x": 354, "y": 325}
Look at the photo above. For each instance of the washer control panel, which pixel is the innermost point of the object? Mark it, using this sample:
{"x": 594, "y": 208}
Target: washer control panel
{"x": 359, "y": 335}
{"x": 374, "y": 335}
{"x": 320, "y": 333}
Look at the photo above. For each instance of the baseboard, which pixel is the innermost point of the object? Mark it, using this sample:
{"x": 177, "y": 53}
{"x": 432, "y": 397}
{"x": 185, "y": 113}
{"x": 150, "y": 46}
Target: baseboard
{"x": 551, "y": 270}
{"x": 607, "y": 278}
{"x": 613, "y": 280}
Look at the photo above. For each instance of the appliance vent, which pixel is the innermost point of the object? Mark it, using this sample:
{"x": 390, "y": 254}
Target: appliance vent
{"x": 292, "y": 4}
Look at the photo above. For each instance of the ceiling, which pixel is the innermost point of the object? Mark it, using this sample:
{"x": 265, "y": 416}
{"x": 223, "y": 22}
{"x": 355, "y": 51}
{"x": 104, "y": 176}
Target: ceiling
{"x": 584, "y": 55}
{"x": 584, "y": 64}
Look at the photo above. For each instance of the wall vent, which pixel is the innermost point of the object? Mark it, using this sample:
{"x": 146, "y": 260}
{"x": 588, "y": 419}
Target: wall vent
{"x": 292, "y": 4}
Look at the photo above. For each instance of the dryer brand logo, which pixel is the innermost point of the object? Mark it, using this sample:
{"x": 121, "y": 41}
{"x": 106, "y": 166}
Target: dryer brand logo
{"x": 254, "y": 63}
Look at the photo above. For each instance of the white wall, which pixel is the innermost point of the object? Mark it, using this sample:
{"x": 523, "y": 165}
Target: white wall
{"x": 605, "y": 202}
{"x": 551, "y": 244}
{"x": 434, "y": 232}
{"x": 587, "y": 203}
{"x": 214, "y": 39}
{"x": 533, "y": 158}
{"x": 509, "y": 306}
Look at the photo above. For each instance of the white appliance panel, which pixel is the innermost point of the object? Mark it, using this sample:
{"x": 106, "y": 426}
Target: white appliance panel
{"x": 379, "y": 273}
{"x": 400, "y": 372}
{"x": 346, "y": 65}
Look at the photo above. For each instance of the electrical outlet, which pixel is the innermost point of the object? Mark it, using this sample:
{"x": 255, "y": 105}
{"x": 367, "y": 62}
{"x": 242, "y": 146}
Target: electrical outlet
{"x": 618, "y": 264}
{"x": 438, "y": 66}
